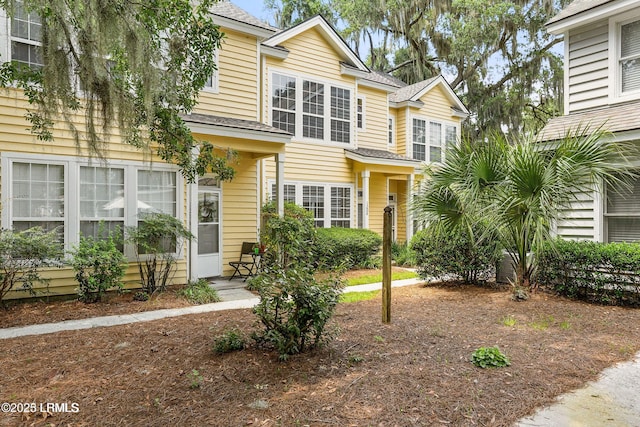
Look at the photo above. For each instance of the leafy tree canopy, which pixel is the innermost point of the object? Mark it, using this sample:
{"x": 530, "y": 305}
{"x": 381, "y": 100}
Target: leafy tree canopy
{"x": 496, "y": 55}
{"x": 133, "y": 65}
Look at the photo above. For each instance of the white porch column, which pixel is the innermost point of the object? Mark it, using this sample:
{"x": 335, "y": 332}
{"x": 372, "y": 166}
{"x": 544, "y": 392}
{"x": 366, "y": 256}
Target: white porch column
{"x": 409, "y": 207}
{"x": 365, "y": 198}
{"x": 280, "y": 183}
{"x": 192, "y": 223}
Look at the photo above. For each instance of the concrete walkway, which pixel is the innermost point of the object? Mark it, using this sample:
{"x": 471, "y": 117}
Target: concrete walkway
{"x": 612, "y": 401}
{"x": 233, "y": 297}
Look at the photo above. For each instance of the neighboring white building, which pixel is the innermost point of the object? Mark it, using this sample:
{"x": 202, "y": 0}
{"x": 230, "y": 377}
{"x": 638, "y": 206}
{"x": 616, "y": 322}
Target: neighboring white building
{"x": 601, "y": 88}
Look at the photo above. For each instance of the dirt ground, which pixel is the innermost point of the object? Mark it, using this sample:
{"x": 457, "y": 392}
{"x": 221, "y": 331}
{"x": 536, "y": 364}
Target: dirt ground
{"x": 412, "y": 372}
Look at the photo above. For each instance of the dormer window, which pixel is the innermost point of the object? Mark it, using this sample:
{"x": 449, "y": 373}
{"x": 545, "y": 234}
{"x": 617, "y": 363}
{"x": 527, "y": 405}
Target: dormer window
{"x": 629, "y": 61}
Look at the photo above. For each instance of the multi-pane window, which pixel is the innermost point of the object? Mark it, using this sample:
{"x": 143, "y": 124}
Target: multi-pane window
{"x": 289, "y": 194}
{"x": 283, "y": 103}
{"x": 391, "y": 131}
{"x": 313, "y": 201}
{"x": 38, "y": 197}
{"x": 26, "y": 37}
{"x": 622, "y": 213}
{"x": 101, "y": 200}
{"x": 340, "y": 114}
{"x": 419, "y": 139}
{"x": 450, "y": 136}
{"x": 313, "y": 110}
{"x": 156, "y": 192}
{"x": 439, "y": 136}
{"x": 211, "y": 85}
{"x": 360, "y": 112}
{"x": 630, "y": 56}
{"x": 435, "y": 142}
{"x": 340, "y": 207}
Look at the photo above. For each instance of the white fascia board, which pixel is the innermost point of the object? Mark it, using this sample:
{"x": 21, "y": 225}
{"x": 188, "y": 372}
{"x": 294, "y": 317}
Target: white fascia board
{"x": 415, "y": 104}
{"x": 458, "y": 113}
{"x": 591, "y": 15}
{"x": 378, "y": 161}
{"x": 325, "y": 28}
{"x": 216, "y": 130}
{"x": 377, "y": 85}
{"x": 242, "y": 27}
{"x": 448, "y": 91}
{"x": 274, "y": 51}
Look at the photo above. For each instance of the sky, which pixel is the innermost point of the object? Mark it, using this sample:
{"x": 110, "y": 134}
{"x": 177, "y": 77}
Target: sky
{"x": 254, "y": 7}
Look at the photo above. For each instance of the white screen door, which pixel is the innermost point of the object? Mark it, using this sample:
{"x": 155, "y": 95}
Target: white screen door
{"x": 208, "y": 232}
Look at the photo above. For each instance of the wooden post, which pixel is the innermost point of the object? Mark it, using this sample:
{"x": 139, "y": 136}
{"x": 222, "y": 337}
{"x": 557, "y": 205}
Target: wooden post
{"x": 386, "y": 266}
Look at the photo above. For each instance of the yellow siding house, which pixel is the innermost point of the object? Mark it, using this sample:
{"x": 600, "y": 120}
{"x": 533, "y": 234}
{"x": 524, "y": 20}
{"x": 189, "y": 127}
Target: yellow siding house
{"x": 310, "y": 123}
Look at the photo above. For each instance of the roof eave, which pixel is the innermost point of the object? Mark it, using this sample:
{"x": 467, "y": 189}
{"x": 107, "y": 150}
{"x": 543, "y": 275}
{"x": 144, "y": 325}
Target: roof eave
{"x": 234, "y": 132}
{"x": 415, "y": 164}
{"x": 242, "y": 27}
{"x": 409, "y": 103}
{"x": 588, "y": 16}
{"x": 274, "y": 51}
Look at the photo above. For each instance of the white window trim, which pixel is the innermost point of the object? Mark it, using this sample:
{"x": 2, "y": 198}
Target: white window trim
{"x": 364, "y": 114}
{"x": 6, "y": 37}
{"x": 615, "y": 74}
{"x": 327, "y": 197}
{"x": 72, "y": 191}
{"x": 443, "y": 135}
{"x": 326, "y": 142}
{"x": 391, "y": 141}
{"x": 215, "y": 77}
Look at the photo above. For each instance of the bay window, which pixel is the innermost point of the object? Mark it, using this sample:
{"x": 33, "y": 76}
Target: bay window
{"x": 440, "y": 136}
{"x": 319, "y": 119}
{"x": 101, "y": 200}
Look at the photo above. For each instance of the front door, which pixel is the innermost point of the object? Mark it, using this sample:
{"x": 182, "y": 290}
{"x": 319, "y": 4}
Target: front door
{"x": 208, "y": 232}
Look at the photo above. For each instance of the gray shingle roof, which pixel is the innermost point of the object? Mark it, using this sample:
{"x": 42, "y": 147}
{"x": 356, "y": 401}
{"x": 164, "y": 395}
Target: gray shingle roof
{"x": 408, "y": 92}
{"x": 379, "y": 154}
{"x": 229, "y": 10}
{"x": 615, "y": 118}
{"x": 576, "y": 7}
{"x": 232, "y": 123}
{"x": 384, "y": 78}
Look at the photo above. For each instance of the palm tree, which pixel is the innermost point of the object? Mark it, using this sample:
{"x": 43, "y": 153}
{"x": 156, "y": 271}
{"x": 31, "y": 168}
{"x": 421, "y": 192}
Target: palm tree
{"x": 520, "y": 189}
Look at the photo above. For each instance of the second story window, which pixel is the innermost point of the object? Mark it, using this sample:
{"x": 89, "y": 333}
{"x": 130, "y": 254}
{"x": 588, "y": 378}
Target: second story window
{"x": 311, "y": 110}
{"x": 360, "y": 113}
{"x": 630, "y": 56}
{"x": 435, "y": 142}
{"x": 419, "y": 139}
{"x": 390, "y": 131}
{"x": 26, "y": 37}
{"x": 283, "y": 103}
{"x": 430, "y": 138}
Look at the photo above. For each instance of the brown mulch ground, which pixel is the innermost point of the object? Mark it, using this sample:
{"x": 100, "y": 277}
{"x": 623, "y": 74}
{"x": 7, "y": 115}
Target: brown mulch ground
{"x": 415, "y": 371}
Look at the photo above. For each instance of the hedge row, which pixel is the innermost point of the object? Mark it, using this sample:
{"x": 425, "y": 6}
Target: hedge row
{"x": 345, "y": 247}
{"x": 606, "y": 273}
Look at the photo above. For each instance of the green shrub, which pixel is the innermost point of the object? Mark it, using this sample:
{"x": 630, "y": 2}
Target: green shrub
{"x": 230, "y": 341}
{"x": 489, "y": 357}
{"x": 345, "y": 247}
{"x": 294, "y": 305}
{"x": 606, "y": 273}
{"x": 403, "y": 255}
{"x": 99, "y": 266}
{"x": 141, "y": 296}
{"x": 199, "y": 292}
{"x": 441, "y": 252}
{"x": 157, "y": 244}
{"x": 22, "y": 253}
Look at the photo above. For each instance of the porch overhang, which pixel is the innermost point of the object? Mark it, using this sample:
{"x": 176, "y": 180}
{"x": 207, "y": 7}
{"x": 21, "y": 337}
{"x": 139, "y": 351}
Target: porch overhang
{"x": 382, "y": 161}
{"x": 204, "y": 124}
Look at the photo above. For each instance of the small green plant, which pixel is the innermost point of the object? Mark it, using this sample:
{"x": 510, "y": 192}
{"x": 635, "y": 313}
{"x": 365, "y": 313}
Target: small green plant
{"x": 141, "y": 296}
{"x": 199, "y": 292}
{"x": 378, "y": 338}
{"x": 403, "y": 255}
{"x": 543, "y": 323}
{"x": 229, "y": 341}
{"x": 157, "y": 244}
{"x": 565, "y": 325}
{"x": 195, "y": 379}
{"x": 509, "y": 321}
{"x": 22, "y": 254}
{"x": 99, "y": 265}
{"x": 350, "y": 297}
{"x": 489, "y": 357}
